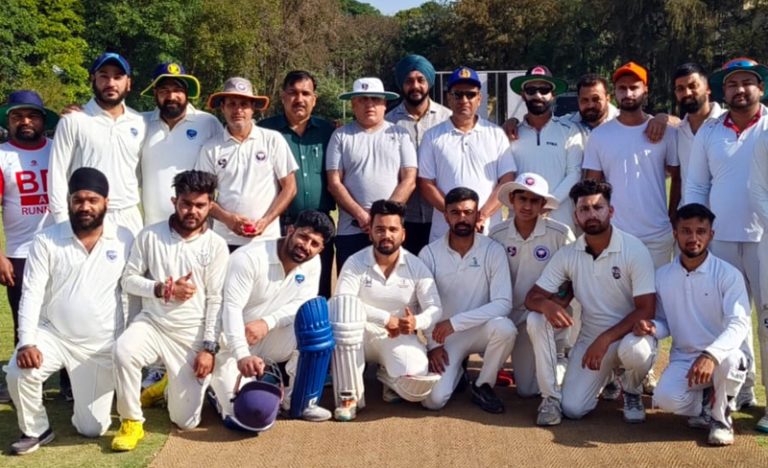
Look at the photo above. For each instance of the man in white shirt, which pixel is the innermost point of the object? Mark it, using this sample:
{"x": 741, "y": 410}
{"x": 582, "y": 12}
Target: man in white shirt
{"x": 417, "y": 113}
{"x": 107, "y": 135}
{"x": 390, "y": 295}
{"x": 177, "y": 267}
{"x": 550, "y": 146}
{"x": 254, "y": 166}
{"x": 175, "y": 133}
{"x": 267, "y": 282}
{"x": 367, "y": 160}
{"x": 473, "y": 281}
{"x": 464, "y": 151}
{"x": 619, "y": 153}
{"x": 23, "y": 190}
{"x": 70, "y": 313}
{"x": 702, "y": 304}
{"x": 611, "y": 273}
{"x": 595, "y": 106}
{"x": 530, "y": 238}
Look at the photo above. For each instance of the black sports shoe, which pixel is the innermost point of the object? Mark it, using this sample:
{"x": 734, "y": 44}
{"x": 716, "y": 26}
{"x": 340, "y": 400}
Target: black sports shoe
{"x": 28, "y": 444}
{"x": 484, "y": 397}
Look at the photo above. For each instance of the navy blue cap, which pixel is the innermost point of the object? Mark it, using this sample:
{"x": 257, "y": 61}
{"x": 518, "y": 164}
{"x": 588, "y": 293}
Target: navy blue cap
{"x": 27, "y": 99}
{"x": 464, "y": 75}
{"x": 114, "y": 59}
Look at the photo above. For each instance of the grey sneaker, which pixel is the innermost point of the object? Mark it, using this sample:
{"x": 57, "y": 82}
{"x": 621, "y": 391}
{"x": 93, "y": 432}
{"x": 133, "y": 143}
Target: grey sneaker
{"x": 315, "y": 413}
{"x": 649, "y": 383}
{"x": 745, "y": 398}
{"x": 5, "y": 397}
{"x": 720, "y": 434}
{"x": 550, "y": 412}
{"x": 28, "y": 444}
{"x": 612, "y": 391}
{"x": 634, "y": 411}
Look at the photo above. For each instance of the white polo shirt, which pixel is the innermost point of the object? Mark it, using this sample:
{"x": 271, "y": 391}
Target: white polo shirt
{"x": 718, "y": 176}
{"x": 166, "y": 152}
{"x": 528, "y": 257}
{"x": 72, "y": 293}
{"x": 474, "y": 159}
{"x": 24, "y": 191}
{"x": 685, "y": 138}
{"x": 409, "y": 285}
{"x": 606, "y": 286}
{"x": 160, "y": 252}
{"x": 704, "y": 310}
{"x": 474, "y": 288}
{"x": 636, "y": 168}
{"x": 257, "y": 287}
{"x": 249, "y": 176}
{"x": 418, "y": 210}
{"x": 92, "y": 138}
{"x": 555, "y": 153}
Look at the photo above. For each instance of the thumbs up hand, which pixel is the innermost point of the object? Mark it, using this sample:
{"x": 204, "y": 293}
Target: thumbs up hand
{"x": 407, "y": 324}
{"x": 184, "y": 288}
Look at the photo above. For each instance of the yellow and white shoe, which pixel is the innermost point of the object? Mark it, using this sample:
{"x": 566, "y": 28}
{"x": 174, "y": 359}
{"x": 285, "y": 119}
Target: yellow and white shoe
{"x": 129, "y": 435}
{"x": 155, "y": 393}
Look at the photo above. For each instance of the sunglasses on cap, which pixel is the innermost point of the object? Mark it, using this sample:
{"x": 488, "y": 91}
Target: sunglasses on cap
{"x": 464, "y": 94}
{"x": 739, "y": 62}
{"x": 532, "y": 90}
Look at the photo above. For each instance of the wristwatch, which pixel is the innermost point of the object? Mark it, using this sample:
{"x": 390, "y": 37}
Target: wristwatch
{"x": 211, "y": 347}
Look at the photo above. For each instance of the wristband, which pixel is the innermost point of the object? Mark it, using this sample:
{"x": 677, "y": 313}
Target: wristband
{"x": 168, "y": 290}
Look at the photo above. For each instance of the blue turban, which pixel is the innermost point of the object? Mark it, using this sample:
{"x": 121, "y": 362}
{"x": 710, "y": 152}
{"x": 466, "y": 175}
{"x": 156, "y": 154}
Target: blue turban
{"x": 411, "y": 63}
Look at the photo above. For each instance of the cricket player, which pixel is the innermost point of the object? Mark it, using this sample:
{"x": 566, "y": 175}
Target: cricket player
{"x": 177, "y": 267}
{"x": 530, "y": 239}
{"x": 702, "y": 303}
{"x": 267, "y": 282}
{"x": 612, "y": 277}
{"x": 384, "y": 294}
{"x": 473, "y": 281}
{"x": 70, "y": 313}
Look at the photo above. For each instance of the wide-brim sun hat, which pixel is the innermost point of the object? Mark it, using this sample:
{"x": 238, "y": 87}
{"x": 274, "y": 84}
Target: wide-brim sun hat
{"x": 538, "y": 73}
{"x": 739, "y": 64}
{"x": 529, "y": 182}
{"x": 27, "y": 99}
{"x": 177, "y": 72}
{"x": 369, "y": 86}
{"x": 237, "y": 87}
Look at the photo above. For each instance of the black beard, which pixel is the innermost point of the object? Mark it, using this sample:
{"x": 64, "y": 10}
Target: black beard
{"x": 692, "y": 106}
{"x": 21, "y": 136}
{"x": 168, "y": 112}
{"x": 415, "y": 102}
{"x": 591, "y": 116}
{"x": 79, "y": 226}
{"x": 631, "y": 107}
{"x": 386, "y": 250}
{"x": 595, "y": 230}
{"x": 108, "y": 102}
{"x": 538, "y": 107}
{"x": 463, "y": 230}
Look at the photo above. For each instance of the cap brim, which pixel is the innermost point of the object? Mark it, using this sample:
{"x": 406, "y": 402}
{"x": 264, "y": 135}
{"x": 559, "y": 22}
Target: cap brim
{"x": 388, "y": 95}
{"x": 193, "y": 86}
{"x": 51, "y": 118}
{"x": 716, "y": 79}
{"x": 125, "y": 66}
{"x": 466, "y": 81}
{"x": 214, "y": 100}
{"x": 509, "y": 187}
{"x": 517, "y": 83}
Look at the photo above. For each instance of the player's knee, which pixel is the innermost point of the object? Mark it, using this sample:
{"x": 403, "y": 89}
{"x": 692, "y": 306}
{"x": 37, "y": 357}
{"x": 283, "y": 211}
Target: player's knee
{"x": 122, "y": 353}
{"x": 502, "y": 329}
{"x": 90, "y": 426}
{"x": 436, "y": 400}
{"x": 637, "y": 352}
{"x": 535, "y": 324}
{"x": 186, "y": 422}
{"x": 667, "y": 399}
{"x": 574, "y": 408}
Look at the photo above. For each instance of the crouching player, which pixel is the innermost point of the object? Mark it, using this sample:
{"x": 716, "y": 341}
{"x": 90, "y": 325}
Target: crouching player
{"x": 70, "y": 313}
{"x": 267, "y": 284}
{"x": 384, "y": 294}
{"x": 702, "y": 303}
{"x": 177, "y": 267}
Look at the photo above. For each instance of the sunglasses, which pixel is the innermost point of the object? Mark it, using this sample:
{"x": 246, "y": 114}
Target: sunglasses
{"x": 464, "y": 94}
{"x": 532, "y": 90}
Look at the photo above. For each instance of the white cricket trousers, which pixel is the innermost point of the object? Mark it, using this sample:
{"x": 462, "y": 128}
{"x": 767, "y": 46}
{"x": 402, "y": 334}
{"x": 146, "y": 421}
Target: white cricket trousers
{"x": 279, "y": 345}
{"x": 495, "y": 339}
{"x": 92, "y": 386}
{"x": 673, "y": 394}
{"x": 141, "y": 345}
{"x": 581, "y": 386}
{"x": 538, "y": 353}
{"x": 661, "y": 249}
{"x": 402, "y": 355}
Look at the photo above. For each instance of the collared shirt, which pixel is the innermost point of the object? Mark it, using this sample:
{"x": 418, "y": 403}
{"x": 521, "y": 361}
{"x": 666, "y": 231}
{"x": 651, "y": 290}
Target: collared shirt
{"x": 528, "y": 257}
{"x": 166, "y": 152}
{"x": 249, "y": 175}
{"x": 309, "y": 152}
{"x": 409, "y": 285}
{"x": 158, "y": 253}
{"x": 92, "y": 138}
{"x": 370, "y": 164}
{"x": 259, "y": 288}
{"x": 585, "y": 129}
{"x": 24, "y": 191}
{"x": 605, "y": 286}
{"x": 555, "y": 152}
{"x": 718, "y": 176}
{"x": 685, "y": 138}
{"x": 418, "y": 210}
{"x": 473, "y": 159}
{"x": 474, "y": 288}
{"x": 704, "y": 310}
{"x": 73, "y": 293}
{"x": 637, "y": 170}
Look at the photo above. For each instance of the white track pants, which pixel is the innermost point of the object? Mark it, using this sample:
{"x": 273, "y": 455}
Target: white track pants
{"x": 673, "y": 394}
{"x": 279, "y": 346}
{"x": 141, "y": 345}
{"x": 539, "y": 374}
{"x": 494, "y": 339}
{"x": 92, "y": 386}
{"x": 582, "y": 386}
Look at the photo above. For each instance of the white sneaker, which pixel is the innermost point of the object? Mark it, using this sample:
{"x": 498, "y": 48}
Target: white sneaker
{"x": 720, "y": 434}
{"x": 634, "y": 411}
{"x": 612, "y": 391}
{"x": 315, "y": 413}
{"x": 649, "y": 383}
{"x": 550, "y": 412}
{"x": 347, "y": 410}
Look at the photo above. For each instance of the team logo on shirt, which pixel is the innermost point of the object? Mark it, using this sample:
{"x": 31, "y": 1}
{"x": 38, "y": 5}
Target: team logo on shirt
{"x": 474, "y": 263}
{"x": 541, "y": 252}
{"x": 204, "y": 258}
{"x": 222, "y": 163}
{"x": 33, "y": 163}
{"x": 191, "y": 133}
{"x": 367, "y": 282}
{"x": 512, "y": 250}
{"x": 134, "y": 131}
{"x": 616, "y": 272}
{"x": 552, "y": 143}
{"x": 261, "y": 156}
{"x": 111, "y": 255}
{"x": 299, "y": 278}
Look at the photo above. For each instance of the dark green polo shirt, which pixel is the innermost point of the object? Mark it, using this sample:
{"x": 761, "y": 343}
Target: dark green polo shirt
{"x": 309, "y": 152}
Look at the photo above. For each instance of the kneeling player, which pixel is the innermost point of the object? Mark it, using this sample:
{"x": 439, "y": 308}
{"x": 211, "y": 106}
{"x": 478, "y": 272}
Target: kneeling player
{"x": 703, "y": 305}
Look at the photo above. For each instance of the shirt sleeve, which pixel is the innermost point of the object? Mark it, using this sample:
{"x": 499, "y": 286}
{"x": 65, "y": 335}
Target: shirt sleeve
{"x": 135, "y": 280}
{"x": 240, "y": 278}
{"x": 642, "y": 272}
{"x": 758, "y": 179}
{"x": 660, "y": 318}
{"x": 37, "y": 275}
{"x": 698, "y": 181}
{"x": 283, "y": 315}
{"x": 555, "y": 273}
{"x": 62, "y": 154}
{"x": 670, "y": 138}
{"x": 736, "y": 310}
{"x": 574, "y": 156}
{"x": 592, "y": 154}
{"x": 333, "y": 152}
{"x": 284, "y": 161}
{"x": 427, "y": 169}
{"x": 214, "y": 288}
{"x": 427, "y": 295}
{"x": 507, "y": 162}
{"x": 408, "y": 156}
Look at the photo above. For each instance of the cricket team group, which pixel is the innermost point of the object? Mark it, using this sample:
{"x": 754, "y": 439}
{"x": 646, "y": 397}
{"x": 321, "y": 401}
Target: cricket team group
{"x": 166, "y": 256}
